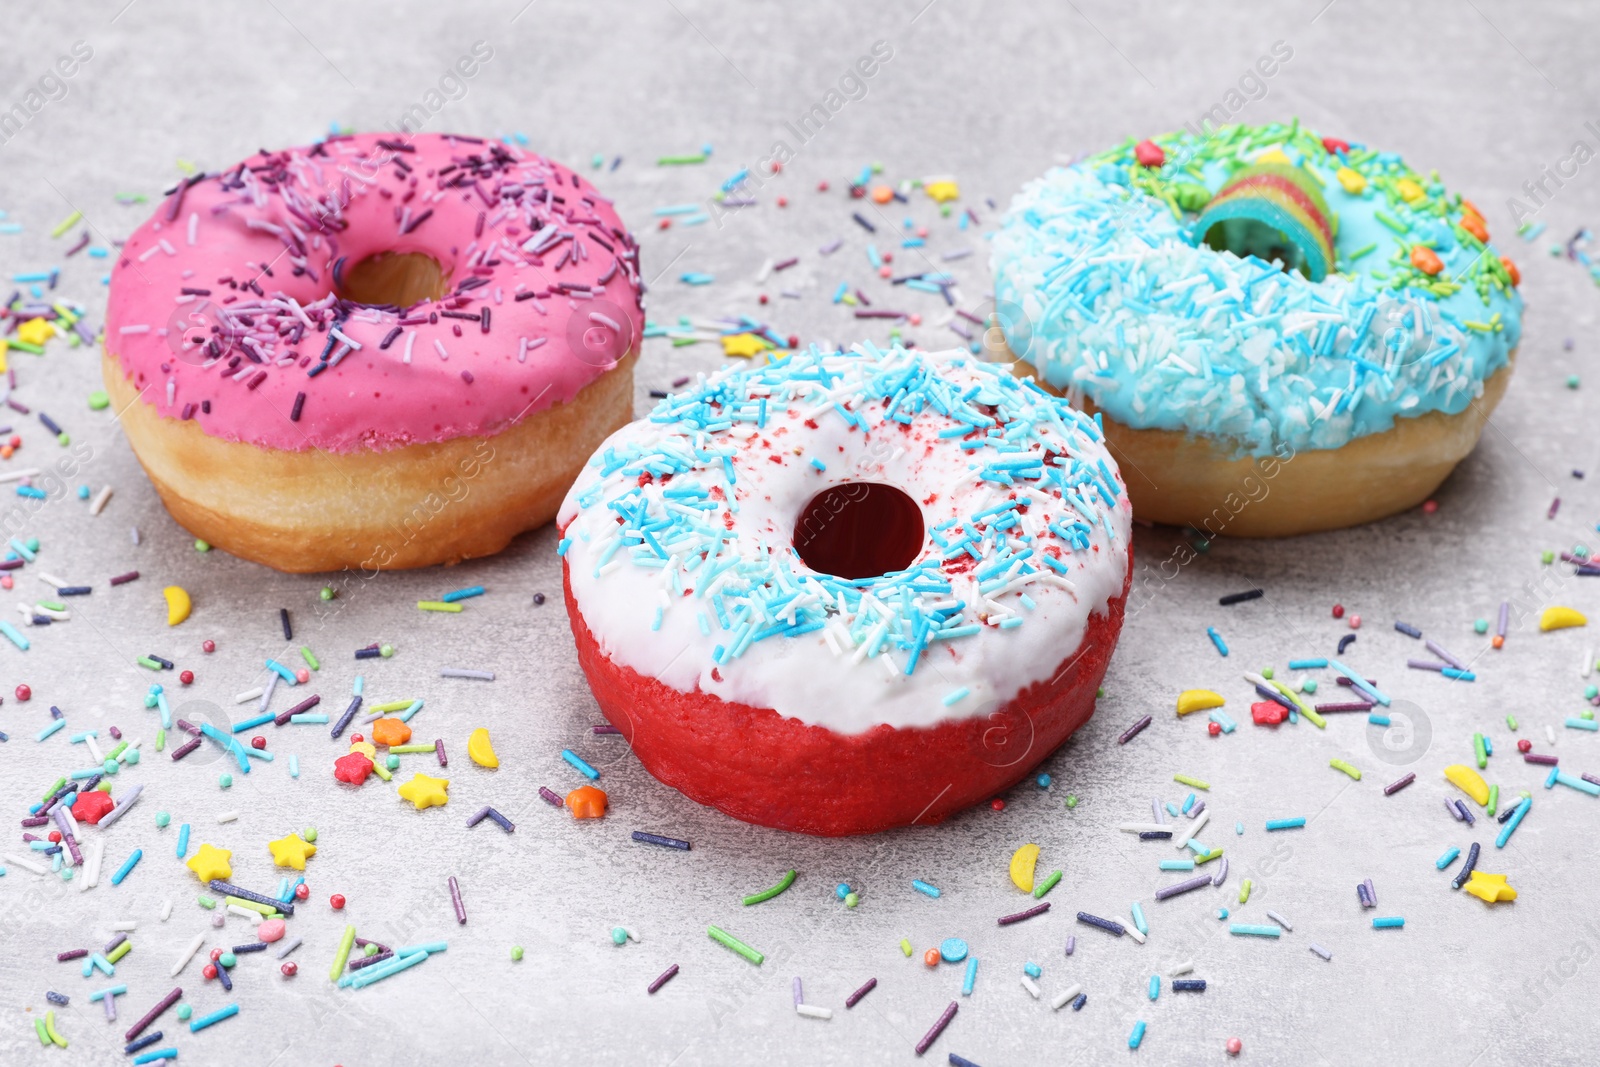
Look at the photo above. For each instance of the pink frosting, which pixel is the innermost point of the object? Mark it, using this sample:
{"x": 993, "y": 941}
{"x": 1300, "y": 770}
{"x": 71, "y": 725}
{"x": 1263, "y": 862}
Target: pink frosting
{"x": 246, "y": 261}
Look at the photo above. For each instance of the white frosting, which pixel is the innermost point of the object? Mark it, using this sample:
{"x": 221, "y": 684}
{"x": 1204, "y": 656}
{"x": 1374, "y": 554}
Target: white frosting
{"x": 825, "y": 676}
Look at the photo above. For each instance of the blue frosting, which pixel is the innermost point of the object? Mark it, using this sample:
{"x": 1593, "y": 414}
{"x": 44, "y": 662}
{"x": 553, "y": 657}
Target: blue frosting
{"x": 1119, "y": 299}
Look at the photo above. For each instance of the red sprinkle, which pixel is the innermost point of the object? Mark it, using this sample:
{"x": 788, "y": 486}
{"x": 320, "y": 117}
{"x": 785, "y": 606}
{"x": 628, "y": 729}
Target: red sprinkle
{"x": 186, "y": 677}
{"x": 1338, "y": 611}
{"x": 258, "y": 742}
{"x": 290, "y": 969}
{"x": 24, "y": 693}
{"x": 1149, "y": 154}
{"x": 337, "y": 901}
{"x": 208, "y": 646}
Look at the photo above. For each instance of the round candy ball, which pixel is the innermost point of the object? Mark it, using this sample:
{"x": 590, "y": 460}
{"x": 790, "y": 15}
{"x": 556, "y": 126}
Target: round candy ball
{"x": 184, "y": 1011}
{"x": 225, "y": 781}
{"x": 302, "y": 891}
{"x": 852, "y": 899}
{"x": 336, "y": 902}
{"x": 228, "y": 959}
{"x": 163, "y": 819}
{"x": 309, "y": 834}
{"x": 208, "y": 645}
{"x": 132, "y": 756}
{"x": 186, "y": 677}
{"x": 209, "y": 971}
{"x": 24, "y": 693}
{"x": 516, "y": 952}
{"x": 619, "y": 936}
{"x": 258, "y": 742}
{"x": 111, "y": 766}
{"x": 290, "y": 969}
{"x": 1235, "y": 1046}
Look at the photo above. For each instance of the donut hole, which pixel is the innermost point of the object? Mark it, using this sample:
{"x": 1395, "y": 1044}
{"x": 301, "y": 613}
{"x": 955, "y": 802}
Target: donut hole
{"x": 859, "y": 530}
{"x": 1249, "y": 237}
{"x": 391, "y": 279}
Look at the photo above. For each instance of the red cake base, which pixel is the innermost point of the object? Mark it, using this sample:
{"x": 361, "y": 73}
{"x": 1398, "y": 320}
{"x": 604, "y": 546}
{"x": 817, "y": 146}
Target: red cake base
{"x": 755, "y": 765}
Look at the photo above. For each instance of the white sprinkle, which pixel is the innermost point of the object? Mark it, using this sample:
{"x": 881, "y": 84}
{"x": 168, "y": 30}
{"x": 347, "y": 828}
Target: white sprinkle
{"x": 411, "y": 335}
{"x": 244, "y": 913}
{"x": 141, "y": 328}
{"x": 188, "y": 954}
{"x": 538, "y": 342}
{"x": 812, "y": 1012}
{"x": 125, "y": 924}
{"x": 17, "y": 476}
{"x": 166, "y": 246}
{"x": 194, "y": 227}
{"x": 1550, "y": 733}
{"x": 604, "y": 320}
{"x": 94, "y": 751}
{"x": 633, "y": 935}
{"x": 147, "y": 253}
{"x": 1319, "y": 950}
{"x": 248, "y": 695}
{"x": 438, "y": 346}
{"x": 1031, "y": 986}
{"x": 1280, "y": 920}
{"x": 1133, "y": 931}
{"x": 1186, "y": 966}
{"x": 25, "y": 864}
{"x": 227, "y": 816}
{"x": 462, "y": 672}
{"x": 1588, "y": 663}
{"x": 354, "y": 345}
{"x": 1066, "y": 996}
{"x": 135, "y": 533}
{"x": 1199, "y": 824}
{"x": 50, "y": 579}
{"x": 166, "y": 909}
{"x": 288, "y": 948}
{"x": 98, "y": 504}
{"x": 91, "y": 867}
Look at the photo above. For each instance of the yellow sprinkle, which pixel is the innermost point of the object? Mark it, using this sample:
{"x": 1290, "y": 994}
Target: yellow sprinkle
{"x": 1184, "y": 779}
{"x": 744, "y": 344}
{"x": 438, "y": 605}
{"x": 1275, "y": 155}
{"x": 1191, "y": 700}
{"x": 941, "y": 189}
{"x": 36, "y": 331}
{"x": 1409, "y": 190}
{"x": 1489, "y": 887}
{"x": 905, "y": 946}
{"x": 1341, "y": 765}
{"x": 1559, "y": 618}
{"x": 1468, "y": 781}
{"x": 1352, "y": 181}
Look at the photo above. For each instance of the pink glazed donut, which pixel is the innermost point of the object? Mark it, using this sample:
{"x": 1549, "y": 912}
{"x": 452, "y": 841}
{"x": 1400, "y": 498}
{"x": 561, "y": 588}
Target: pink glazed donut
{"x": 374, "y": 352}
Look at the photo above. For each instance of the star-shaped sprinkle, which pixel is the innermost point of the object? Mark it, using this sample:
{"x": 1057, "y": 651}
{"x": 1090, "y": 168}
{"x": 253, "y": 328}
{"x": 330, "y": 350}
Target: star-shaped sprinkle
{"x": 1489, "y": 887}
{"x": 743, "y": 344}
{"x": 426, "y": 792}
{"x": 291, "y": 851}
{"x": 211, "y": 863}
{"x": 36, "y": 331}
{"x": 941, "y": 190}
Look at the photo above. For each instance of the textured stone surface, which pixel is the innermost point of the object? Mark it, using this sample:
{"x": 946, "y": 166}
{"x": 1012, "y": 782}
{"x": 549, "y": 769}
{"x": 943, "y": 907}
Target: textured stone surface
{"x": 990, "y": 94}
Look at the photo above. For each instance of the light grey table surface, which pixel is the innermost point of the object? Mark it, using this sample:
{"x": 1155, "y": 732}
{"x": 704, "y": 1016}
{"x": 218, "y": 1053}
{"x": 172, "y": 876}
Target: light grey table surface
{"x": 988, "y": 93}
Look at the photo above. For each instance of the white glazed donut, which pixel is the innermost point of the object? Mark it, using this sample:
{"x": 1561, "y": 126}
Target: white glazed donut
{"x": 849, "y": 590}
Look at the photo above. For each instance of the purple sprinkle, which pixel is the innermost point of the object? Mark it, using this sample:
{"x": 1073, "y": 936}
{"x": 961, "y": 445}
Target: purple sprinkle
{"x": 1540, "y": 758}
{"x": 1349, "y": 705}
{"x": 1425, "y": 665}
{"x": 455, "y": 901}
{"x": 1037, "y": 909}
{"x": 1072, "y": 943}
{"x": 605, "y": 728}
{"x": 368, "y": 961}
{"x": 1394, "y": 787}
{"x": 949, "y": 1013}
{"x": 554, "y": 800}
{"x": 1345, "y": 642}
{"x": 1133, "y": 731}
{"x": 855, "y": 998}
{"x": 478, "y": 816}
{"x": 438, "y": 751}
{"x": 71, "y": 954}
{"x": 1161, "y": 894}
{"x": 667, "y": 976}
{"x": 299, "y": 403}
{"x": 799, "y": 992}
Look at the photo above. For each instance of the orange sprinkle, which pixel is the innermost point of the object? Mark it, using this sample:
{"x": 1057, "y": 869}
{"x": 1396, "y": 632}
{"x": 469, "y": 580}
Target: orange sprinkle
{"x": 389, "y": 732}
{"x": 1475, "y": 226}
{"x": 931, "y": 957}
{"x": 882, "y": 194}
{"x": 587, "y": 802}
{"x": 1426, "y": 260}
{"x": 1511, "y": 269}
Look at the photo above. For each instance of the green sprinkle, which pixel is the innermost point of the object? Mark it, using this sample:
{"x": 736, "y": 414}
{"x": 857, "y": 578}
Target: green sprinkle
{"x": 1184, "y": 779}
{"x": 146, "y": 661}
{"x": 327, "y": 592}
{"x": 851, "y": 899}
{"x": 1363, "y": 251}
{"x": 161, "y": 739}
{"x": 206, "y": 902}
{"x": 66, "y": 224}
{"x": 26, "y": 346}
{"x": 1511, "y": 722}
{"x": 98, "y": 400}
{"x": 905, "y": 946}
{"x": 201, "y": 546}
{"x": 437, "y": 605}
{"x": 1341, "y": 765}
{"x": 1072, "y": 800}
{"x": 768, "y": 894}
{"x": 516, "y": 953}
{"x": 1481, "y": 327}
{"x": 310, "y": 658}
{"x": 1045, "y": 886}
{"x": 722, "y": 937}
{"x": 678, "y": 161}
{"x": 309, "y": 834}
{"x": 1572, "y": 381}
{"x": 1398, "y": 227}
{"x": 1266, "y": 672}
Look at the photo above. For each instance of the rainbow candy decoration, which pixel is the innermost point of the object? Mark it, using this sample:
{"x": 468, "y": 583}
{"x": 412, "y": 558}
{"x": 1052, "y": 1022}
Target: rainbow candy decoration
{"x": 1272, "y": 210}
